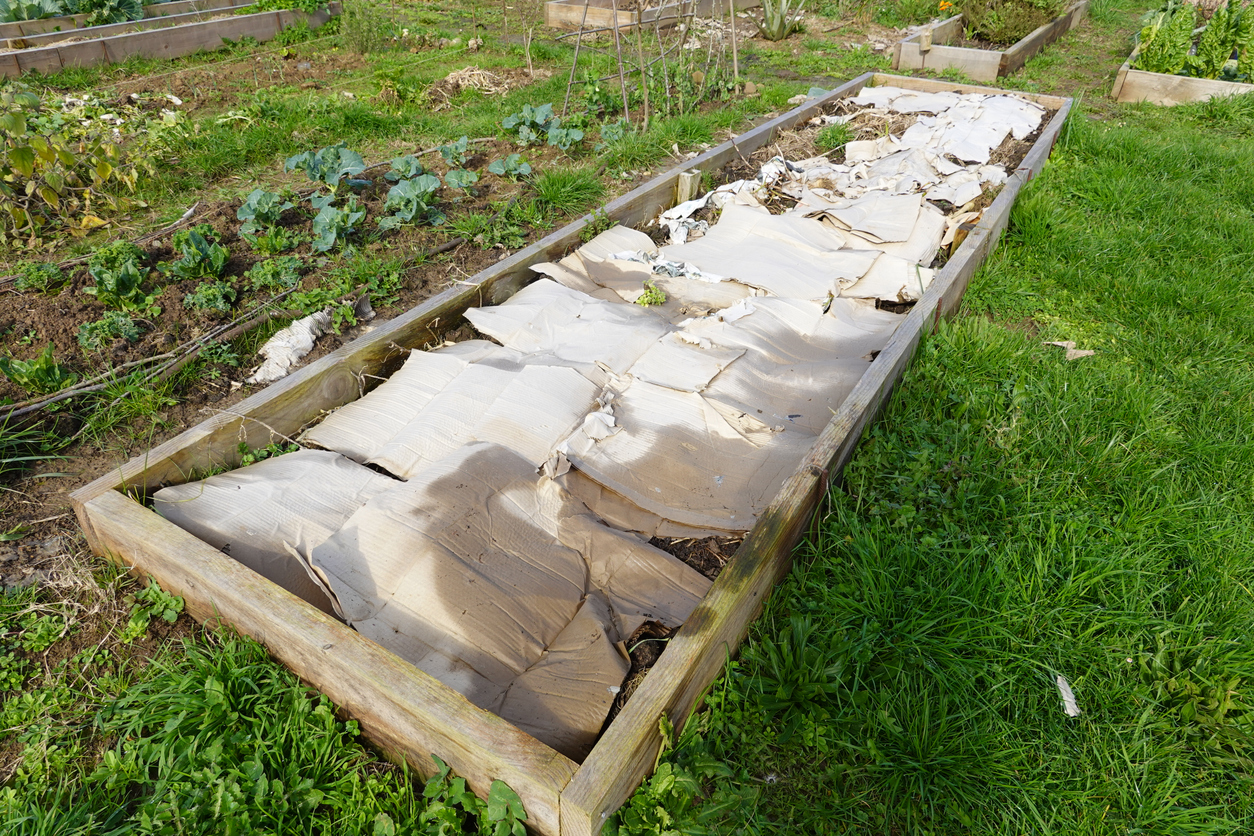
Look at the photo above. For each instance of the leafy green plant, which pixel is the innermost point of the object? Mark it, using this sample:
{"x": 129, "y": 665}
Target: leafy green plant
{"x": 535, "y": 123}
{"x": 150, "y": 602}
{"x": 40, "y": 375}
{"x": 261, "y": 209}
{"x": 487, "y": 231}
{"x": 410, "y": 201}
{"x": 13, "y": 11}
{"x": 96, "y": 336}
{"x": 652, "y": 295}
{"x": 460, "y": 178}
{"x": 780, "y": 18}
{"x": 121, "y": 288}
{"x": 332, "y": 226}
{"x": 401, "y": 87}
{"x": 201, "y": 259}
{"x": 39, "y": 276}
{"x": 1229, "y": 30}
{"x": 1165, "y": 40}
{"x": 329, "y": 165}
{"x": 404, "y": 168}
{"x": 211, "y": 296}
{"x": 114, "y": 255}
{"x": 512, "y": 166}
{"x": 277, "y": 274}
{"x": 102, "y": 12}
{"x": 454, "y": 153}
{"x": 274, "y": 240}
{"x": 611, "y": 133}
{"x": 13, "y": 668}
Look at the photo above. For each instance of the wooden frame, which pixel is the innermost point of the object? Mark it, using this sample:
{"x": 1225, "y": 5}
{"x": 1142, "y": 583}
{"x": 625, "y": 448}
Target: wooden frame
{"x": 1163, "y": 89}
{"x": 171, "y": 42}
{"x": 409, "y": 714}
{"x": 569, "y": 14}
{"x": 65, "y": 23}
{"x": 929, "y": 48}
{"x": 107, "y": 30}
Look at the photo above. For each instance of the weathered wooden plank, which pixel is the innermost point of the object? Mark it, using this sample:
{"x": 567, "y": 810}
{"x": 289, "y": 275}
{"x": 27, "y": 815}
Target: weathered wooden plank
{"x": 408, "y": 713}
{"x": 569, "y": 14}
{"x": 1013, "y": 59}
{"x": 174, "y": 42}
{"x": 1162, "y": 89}
{"x": 936, "y": 85}
{"x": 25, "y": 28}
{"x": 147, "y": 24}
{"x": 930, "y": 49}
{"x": 695, "y": 656}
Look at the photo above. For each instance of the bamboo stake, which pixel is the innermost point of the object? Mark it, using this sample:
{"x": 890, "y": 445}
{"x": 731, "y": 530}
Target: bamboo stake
{"x": 731, "y": 9}
{"x": 618, "y": 48}
{"x": 644, "y": 74}
{"x": 575, "y": 63}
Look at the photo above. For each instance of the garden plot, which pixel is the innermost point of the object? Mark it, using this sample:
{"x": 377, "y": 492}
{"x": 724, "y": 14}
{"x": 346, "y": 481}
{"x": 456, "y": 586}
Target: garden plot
{"x": 538, "y": 509}
{"x": 478, "y": 513}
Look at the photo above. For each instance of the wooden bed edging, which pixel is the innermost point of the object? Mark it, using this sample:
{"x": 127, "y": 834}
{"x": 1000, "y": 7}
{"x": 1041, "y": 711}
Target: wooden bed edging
{"x": 66, "y": 23}
{"x": 929, "y": 49}
{"x": 569, "y": 14}
{"x": 172, "y": 42}
{"x": 1163, "y": 89}
{"x": 409, "y": 714}
{"x": 108, "y": 30}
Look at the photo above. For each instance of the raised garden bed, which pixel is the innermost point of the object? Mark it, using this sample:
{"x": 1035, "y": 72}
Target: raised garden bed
{"x": 600, "y": 14}
{"x": 110, "y": 29}
{"x": 1133, "y": 85}
{"x": 23, "y": 28}
{"x": 171, "y": 42}
{"x": 409, "y": 714}
{"x": 930, "y": 49}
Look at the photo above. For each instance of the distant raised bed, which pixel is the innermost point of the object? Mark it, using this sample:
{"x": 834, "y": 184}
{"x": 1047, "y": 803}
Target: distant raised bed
{"x": 930, "y": 49}
{"x": 599, "y": 14}
{"x": 168, "y": 42}
{"x": 1169, "y": 66}
{"x": 24, "y": 28}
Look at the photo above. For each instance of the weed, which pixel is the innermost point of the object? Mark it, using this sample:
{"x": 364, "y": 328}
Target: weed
{"x": 488, "y": 232}
{"x": 568, "y": 190}
{"x": 96, "y": 336}
{"x": 249, "y": 455}
{"x": 598, "y": 223}
{"x": 833, "y": 137}
{"x": 39, "y": 277}
{"x": 211, "y": 296}
{"x": 276, "y": 274}
{"x": 274, "y": 240}
{"x": 149, "y": 602}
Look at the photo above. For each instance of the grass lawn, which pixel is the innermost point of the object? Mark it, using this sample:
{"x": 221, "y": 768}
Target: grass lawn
{"x": 1014, "y": 516}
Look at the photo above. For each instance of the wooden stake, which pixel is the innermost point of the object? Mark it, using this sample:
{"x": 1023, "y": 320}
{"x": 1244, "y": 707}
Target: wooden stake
{"x": 575, "y": 63}
{"x": 731, "y": 8}
{"x": 644, "y": 70}
{"x": 618, "y": 48}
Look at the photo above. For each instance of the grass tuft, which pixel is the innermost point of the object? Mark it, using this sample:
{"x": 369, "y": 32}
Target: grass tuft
{"x": 568, "y": 190}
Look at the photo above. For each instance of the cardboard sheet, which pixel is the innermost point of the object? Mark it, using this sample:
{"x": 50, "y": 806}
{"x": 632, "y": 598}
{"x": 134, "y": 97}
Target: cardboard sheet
{"x": 685, "y": 457}
{"x": 785, "y": 255}
{"x": 483, "y": 563}
{"x": 258, "y": 514}
{"x": 545, "y": 317}
{"x": 799, "y": 362}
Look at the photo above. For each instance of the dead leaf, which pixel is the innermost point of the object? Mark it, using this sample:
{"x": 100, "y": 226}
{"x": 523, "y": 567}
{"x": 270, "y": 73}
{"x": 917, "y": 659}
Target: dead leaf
{"x": 1073, "y": 353}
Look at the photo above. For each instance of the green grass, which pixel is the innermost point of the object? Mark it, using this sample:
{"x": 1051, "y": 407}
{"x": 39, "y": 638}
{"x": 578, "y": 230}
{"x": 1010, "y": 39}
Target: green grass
{"x": 1014, "y": 517}
{"x": 568, "y": 190}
